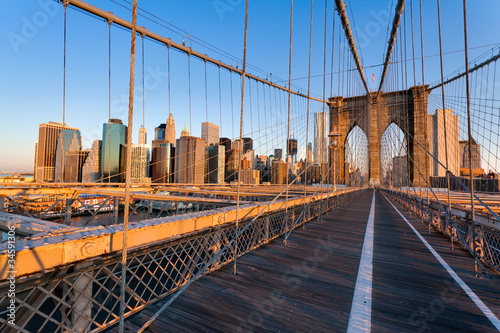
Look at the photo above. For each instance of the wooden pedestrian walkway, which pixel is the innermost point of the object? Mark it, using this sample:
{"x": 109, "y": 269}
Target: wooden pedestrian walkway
{"x": 308, "y": 285}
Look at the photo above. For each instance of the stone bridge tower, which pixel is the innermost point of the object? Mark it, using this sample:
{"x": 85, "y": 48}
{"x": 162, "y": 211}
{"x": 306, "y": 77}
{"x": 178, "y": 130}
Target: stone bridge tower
{"x": 406, "y": 108}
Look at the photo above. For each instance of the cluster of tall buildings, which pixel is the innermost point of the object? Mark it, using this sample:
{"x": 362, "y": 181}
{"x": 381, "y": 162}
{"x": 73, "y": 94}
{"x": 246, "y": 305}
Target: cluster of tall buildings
{"x": 187, "y": 159}
{"x": 451, "y": 152}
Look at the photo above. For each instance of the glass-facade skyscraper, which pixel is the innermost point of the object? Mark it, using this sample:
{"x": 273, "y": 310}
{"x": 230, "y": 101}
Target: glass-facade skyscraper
{"x": 114, "y": 134}
{"x": 71, "y": 138}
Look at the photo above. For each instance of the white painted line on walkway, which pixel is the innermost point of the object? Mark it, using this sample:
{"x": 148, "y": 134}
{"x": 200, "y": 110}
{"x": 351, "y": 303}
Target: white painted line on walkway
{"x": 486, "y": 311}
{"x": 360, "y": 319}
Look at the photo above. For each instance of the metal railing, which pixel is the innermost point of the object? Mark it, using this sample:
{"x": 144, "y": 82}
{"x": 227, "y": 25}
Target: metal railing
{"x": 459, "y": 229}
{"x": 84, "y": 296}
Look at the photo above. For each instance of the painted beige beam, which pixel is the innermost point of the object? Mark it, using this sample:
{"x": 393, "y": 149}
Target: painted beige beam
{"x": 30, "y": 226}
{"x": 51, "y": 251}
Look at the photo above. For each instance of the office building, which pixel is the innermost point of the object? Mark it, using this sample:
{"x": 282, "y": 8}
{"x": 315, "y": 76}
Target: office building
{"x": 226, "y": 142}
{"x": 140, "y": 163}
{"x": 235, "y": 144}
{"x": 170, "y": 129}
{"x": 247, "y": 145}
{"x": 438, "y": 148}
{"x": 464, "y": 154}
{"x": 250, "y": 177}
{"x": 46, "y": 146}
{"x": 163, "y": 162}
{"x": 91, "y": 170}
{"x": 210, "y": 133}
{"x": 113, "y": 152}
{"x": 184, "y": 132}
{"x": 251, "y": 156}
{"x": 71, "y": 139}
{"x": 75, "y": 158}
{"x": 232, "y": 166}
{"x": 142, "y": 135}
{"x": 320, "y": 137}
{"x": 214, "y": 164}
{"x": 278, "y": 154}
{"x": 278, "y": 172}
{"x": 190, "y": 160}
{"x": 246, "y": 164}
{"x": 160, "y": 132}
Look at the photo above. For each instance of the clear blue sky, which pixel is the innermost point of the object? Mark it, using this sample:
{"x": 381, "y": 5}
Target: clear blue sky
{"x": 31, "y": 59}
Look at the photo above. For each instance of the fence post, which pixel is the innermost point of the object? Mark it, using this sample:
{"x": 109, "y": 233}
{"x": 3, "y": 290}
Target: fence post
{"x": 116, "y": 205}
{"x": 68, "y": 210}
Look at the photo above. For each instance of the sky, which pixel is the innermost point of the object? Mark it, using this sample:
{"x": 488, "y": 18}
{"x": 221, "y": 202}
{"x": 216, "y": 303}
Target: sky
{"x": 31, "y": 61}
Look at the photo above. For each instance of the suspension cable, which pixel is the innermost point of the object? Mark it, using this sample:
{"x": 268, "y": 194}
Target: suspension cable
{"x": 288, "y": 122}
{"x": 308, "y": 100}
{"x": 469, "y": 130}
{"x": 241, "y": 135}
{"x": 444, "y": 107}
{"x": 128, "y": 168}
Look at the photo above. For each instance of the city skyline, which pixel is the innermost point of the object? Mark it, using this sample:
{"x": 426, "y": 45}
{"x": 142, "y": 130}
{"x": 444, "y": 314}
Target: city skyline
{"x": 157, "y": 107}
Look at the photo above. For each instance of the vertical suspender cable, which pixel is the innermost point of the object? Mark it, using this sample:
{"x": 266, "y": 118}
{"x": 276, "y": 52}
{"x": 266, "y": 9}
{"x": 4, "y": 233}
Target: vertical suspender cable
{"x": 63, "y": 131}
{"x": 206, "y": 92}
{"x": 241, "y": 136}
{"x": 166, "y": 177}
{"x": 427, "y": 166}
{"x": 322, "y": 144}
{"x": 143, "y": 102}
{"x": 168, "y": 61}
{"x": 128, "y": 167}
{"x": 232, "y": 105}
{"x": 470, "y": 139}
{"x": 331, "y": 95}
{"x": 109, "y": 102}
{"x": 288, "y": 122}
{"x": 220, "y": 104}
{"x": 189, "y": 88}
{"x": 308, "y": 100}
{"x": 444, "y": 110}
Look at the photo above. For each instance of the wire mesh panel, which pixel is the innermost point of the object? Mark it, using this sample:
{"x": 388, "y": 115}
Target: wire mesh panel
{"x": 85, "y": 296}
{"x": 486, "y": 242}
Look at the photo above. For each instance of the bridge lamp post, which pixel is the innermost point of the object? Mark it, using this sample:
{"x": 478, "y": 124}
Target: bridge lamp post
{"x": 334, "y": 143}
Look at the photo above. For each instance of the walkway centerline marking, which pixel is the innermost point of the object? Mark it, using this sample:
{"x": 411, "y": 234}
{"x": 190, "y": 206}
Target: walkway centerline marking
{"x": 361, "y": 309}
{"x": 483, "y": 307}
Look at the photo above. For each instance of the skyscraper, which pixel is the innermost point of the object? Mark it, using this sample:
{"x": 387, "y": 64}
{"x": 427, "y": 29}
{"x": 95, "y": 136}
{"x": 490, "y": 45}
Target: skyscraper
{"x": 437, "y": 139}
{"x": 160, "y": 132}
{"x": 278, "y": 153}
{"x": 113, "y": 151}
{"x": 278, "y": 172}
{"x": 210, "y": 133}
{"x": 476, "y": 154}
{"x": 163, "y": 163}
{"x": 170, "y": 129}
{"x": 184, "y": 132}
{"x": 75, "y": 159}
{"x": 250, "y": 177}
{"x": 140, "y": 163}
{"x": 214, "y": 164}
{"x": 247, "y": 144}
{"x": 91, "y": 170}
{"x": 71, "y": 139}
{"x": 142, "y": 135}
{"x": 48, "y": 134}
{"x": 232, "y": 165}
{"x": 190, "y": 160}
{"x": 320, "y": 137}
